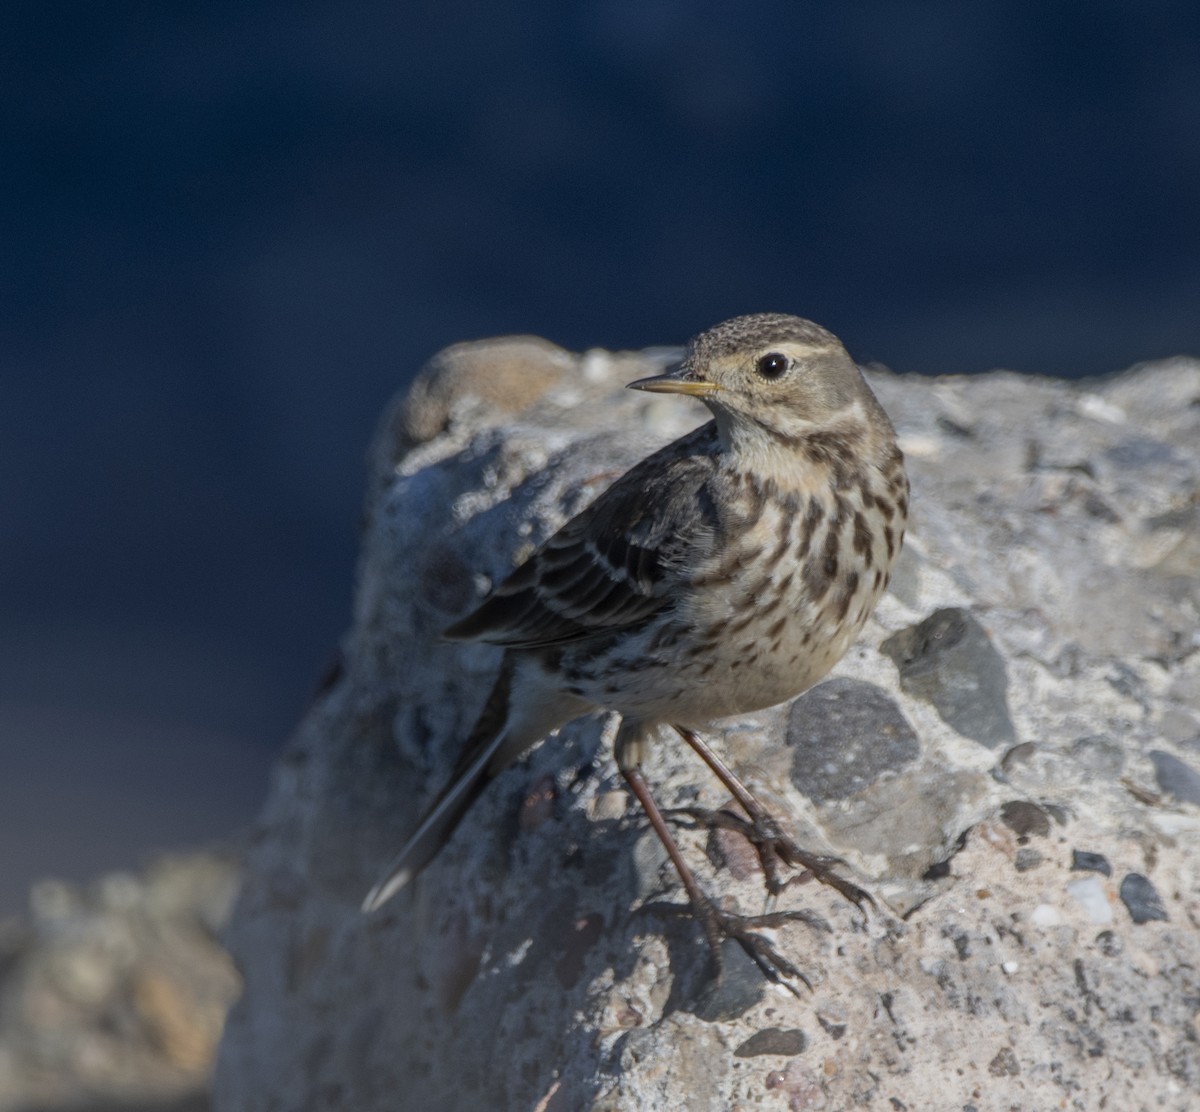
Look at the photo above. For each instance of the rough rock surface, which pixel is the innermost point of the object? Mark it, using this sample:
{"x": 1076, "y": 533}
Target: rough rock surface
{"x": 112, "y": 996}
{"x": 1036, "y": 714}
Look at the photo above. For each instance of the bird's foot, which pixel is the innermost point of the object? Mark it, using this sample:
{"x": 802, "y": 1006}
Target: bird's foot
{"x": 776, "y": 849}
{"x": 719, "y": 924}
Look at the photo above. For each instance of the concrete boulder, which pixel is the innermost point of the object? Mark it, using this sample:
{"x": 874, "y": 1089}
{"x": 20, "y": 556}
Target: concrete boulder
{"x": 1008, "y": 760}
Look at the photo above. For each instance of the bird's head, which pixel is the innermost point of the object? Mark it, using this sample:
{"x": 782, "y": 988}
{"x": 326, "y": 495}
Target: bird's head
{"x": 781, "y": 373}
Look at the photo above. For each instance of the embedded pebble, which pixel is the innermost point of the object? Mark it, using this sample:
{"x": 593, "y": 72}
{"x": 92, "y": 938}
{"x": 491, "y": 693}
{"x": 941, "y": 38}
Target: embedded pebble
{"x": 1099, "y": 755}
{"x": 1141, "y": 899}
{"x": 844, "y": 734}
{"x": 1045, "y": 915}
{"x": 1176, "y": 777}
{"x": 737, "y": 987}
{"x": 1090, "y": 894}
{"x": 1024, "y": 818}
{"x": 1082, "y": 861}
{"x": 949, "y": 661}
{"x": 1027, "y": 859}
{"x": 832, "y": 1017}
{"x": 1004, "y": 1064}
{"x": 773, "y": 1040}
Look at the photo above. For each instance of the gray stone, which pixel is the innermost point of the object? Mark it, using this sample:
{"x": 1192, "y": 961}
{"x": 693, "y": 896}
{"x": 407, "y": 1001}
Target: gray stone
{"x": 773, "y": 1040}
{"x": 1027, "y": 858}
{"x": 1083, "y": 861}
{"x": 949, "y": 661}
{"x": 545, "y": 960}
{"x": 1176, "y": 776}
{"x": 909, "y": 822}
{"x": 1141, "y": 899}
{"x": 1024, "y": 818}
{"x": 844, "y": 734}
{"x": 1099, "y": 755}
{"x": 726, "y": 993}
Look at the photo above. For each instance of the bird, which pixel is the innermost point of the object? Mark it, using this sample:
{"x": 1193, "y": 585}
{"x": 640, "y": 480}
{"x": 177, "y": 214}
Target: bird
{"x": 723, "y": 574}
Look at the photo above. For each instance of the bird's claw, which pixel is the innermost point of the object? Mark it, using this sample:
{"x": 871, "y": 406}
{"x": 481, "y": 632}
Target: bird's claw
{"x": 743, "y": 929}
{"x": 773, "y": 847}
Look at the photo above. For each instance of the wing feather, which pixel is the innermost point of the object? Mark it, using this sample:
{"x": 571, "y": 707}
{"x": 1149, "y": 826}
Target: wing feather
{"x": 614, "y": 565}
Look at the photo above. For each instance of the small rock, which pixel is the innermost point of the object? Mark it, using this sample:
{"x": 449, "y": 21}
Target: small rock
{"x": 1058, "y": 813}
{"x": 505, "y": 375}
{"x": 1082, "y": 861}
{"x": 949, "y": 660}
{"x": 844, "y": 734}
{"x": 1100, "y": 755}
{"x": 1110, "y": 943}
{"x": 1031, "y": 769}
{"x": 1024, "y": 818}
{"x": 1175, "y": 776}
{"x": 1027, "y": 859}
{"x": 1004, "y": 1064}
{"x": 608, "y": 806}
{"x": 773, "y": 1040}
{"x": 1181, "y": 725}
{"x": 1017, "y": 755}
{"x": 733, "y": 991}
{"x": 1090, "y": 894}
{"x": 799, "y": 1085}
{"x": 832, "y": 1018}
{"x": 1141, "y": 899}
{"x": 1045, "y": 915}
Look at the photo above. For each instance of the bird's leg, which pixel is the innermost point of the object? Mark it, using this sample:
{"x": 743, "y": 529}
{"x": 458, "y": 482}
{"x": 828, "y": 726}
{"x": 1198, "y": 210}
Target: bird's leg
{"x": 716, "y": 922}
{"x": 767, "y": 836}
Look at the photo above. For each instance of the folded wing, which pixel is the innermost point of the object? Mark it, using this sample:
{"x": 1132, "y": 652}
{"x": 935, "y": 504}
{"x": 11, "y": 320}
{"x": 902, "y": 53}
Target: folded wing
{"x": 612, "y": 566}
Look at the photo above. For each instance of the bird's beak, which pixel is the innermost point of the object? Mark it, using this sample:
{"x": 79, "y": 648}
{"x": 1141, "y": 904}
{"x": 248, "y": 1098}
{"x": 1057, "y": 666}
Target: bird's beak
{"x": 678, "y": 380}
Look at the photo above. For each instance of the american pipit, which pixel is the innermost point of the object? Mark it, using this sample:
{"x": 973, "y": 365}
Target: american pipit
{"x": 725, "y": 573}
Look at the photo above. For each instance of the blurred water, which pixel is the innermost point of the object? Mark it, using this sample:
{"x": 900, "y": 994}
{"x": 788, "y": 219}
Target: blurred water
{"x": 229, "y": 231}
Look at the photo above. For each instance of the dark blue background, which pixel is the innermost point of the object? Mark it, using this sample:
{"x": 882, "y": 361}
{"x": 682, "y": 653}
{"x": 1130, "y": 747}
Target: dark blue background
{"x": 231, "y": 230}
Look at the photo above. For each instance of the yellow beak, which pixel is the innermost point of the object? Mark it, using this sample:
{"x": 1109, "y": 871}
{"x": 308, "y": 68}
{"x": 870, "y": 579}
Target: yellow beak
{"x": 681, "y": 380}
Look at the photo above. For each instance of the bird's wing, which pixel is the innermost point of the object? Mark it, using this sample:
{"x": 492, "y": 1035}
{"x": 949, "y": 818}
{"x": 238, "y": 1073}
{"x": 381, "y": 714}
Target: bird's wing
{"x": 613, "y": 565}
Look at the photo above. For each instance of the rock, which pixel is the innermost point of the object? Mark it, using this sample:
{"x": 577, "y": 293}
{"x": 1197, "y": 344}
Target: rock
{"x": 1141, "y": 899}
{"x": 115, "y": 994}
{"x": 1026, "y": 859}
{"x": 1081, "y": 860}
{"x": 1099, "y": 755}
{"x": 844, "y": 735}
{"x": 773, "y": 1040}
{"x": 1024, "y": 818}
{"x": 1092, "y": 898}
{"x": 1176, "y": 776}
{"x": 545, "y": 960}
{"x": 949, "y": 661}
{"x": 729, "y": 992}
{"x": 487, "y": 381}
{"x": 1004, "y": 1064}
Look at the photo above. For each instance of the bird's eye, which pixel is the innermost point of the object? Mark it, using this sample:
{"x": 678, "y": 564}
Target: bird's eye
{"x": 772, "y": 365}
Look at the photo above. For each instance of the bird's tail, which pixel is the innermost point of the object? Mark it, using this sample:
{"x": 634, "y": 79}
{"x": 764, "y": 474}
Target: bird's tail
{"x": 471, "y": 775}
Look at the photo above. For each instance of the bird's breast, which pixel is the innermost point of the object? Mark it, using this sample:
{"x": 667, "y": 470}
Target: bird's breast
{"x": 783, "y": 598}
